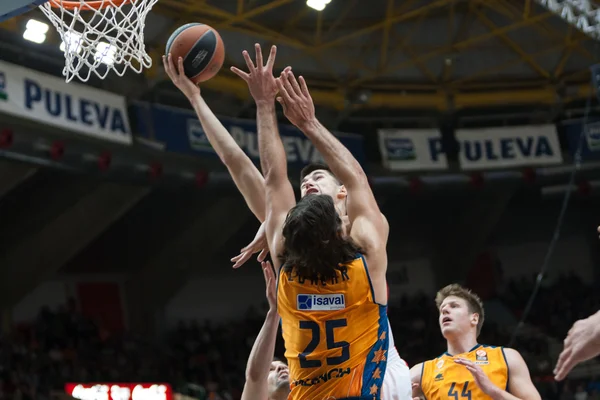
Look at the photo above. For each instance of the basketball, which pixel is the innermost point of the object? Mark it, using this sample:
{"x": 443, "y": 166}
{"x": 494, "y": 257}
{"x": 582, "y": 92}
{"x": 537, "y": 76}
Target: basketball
{"x": 201, "y": 48}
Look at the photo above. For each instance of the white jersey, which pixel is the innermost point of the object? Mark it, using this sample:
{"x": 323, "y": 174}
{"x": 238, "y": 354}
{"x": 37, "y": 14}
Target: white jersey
{"x": 396, "y": 383}
{"x": 393, "y": 355}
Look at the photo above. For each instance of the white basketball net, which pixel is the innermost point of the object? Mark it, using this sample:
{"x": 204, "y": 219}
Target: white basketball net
{"x": 582, "y": 14}
{"x": 101, "y": 39}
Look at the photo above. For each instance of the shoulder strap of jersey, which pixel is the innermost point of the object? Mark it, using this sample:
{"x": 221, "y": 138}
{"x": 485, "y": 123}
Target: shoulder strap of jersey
{"x": 426, "y": 376}
{"x": 501, "y": 348}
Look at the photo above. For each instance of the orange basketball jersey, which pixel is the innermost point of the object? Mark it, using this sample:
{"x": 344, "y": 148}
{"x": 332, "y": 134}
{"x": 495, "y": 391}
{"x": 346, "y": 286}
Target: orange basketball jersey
{"x": 336, "y": 336}
{"x": 442, "y": 378}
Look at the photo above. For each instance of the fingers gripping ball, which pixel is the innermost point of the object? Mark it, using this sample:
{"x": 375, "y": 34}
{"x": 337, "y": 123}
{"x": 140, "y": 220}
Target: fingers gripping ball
{"x": 201, "y": 48}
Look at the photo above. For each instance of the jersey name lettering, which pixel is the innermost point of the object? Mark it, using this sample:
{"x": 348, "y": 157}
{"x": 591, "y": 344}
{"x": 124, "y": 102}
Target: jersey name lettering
{"x": 342, "y": 276}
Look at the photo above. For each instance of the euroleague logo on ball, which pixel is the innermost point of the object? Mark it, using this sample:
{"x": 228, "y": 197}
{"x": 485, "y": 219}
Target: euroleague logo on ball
{"x": 199, "y": 58}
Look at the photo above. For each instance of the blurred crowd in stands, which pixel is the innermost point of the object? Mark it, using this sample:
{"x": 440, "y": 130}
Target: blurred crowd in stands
{"x": 207, "y": 361}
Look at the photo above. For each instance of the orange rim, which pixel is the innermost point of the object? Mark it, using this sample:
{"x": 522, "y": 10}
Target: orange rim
{"x": 89, "y": 5}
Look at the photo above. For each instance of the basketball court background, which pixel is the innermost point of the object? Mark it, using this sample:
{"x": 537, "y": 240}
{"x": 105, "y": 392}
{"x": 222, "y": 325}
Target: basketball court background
{"x": 149, "y": 222}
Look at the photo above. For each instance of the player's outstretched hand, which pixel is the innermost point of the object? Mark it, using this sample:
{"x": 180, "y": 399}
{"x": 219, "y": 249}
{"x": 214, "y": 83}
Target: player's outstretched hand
{"x": 258, "y": 244}
{"x": 260, "y": 79}
{"x": 294, "y": 97}
{"x": 581, "y": 344}
{"x": 480, "y": 378}
{"x": 177, "y": 75}
{"x": 271, "y": 284}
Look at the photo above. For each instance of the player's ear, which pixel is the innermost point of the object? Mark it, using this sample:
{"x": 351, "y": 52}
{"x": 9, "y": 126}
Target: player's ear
{"x": 342, "y": 192}
{"x": 474, "y": 319}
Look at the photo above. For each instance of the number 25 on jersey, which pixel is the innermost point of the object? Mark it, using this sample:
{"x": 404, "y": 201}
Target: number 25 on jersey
{"x": 330, "y": 327}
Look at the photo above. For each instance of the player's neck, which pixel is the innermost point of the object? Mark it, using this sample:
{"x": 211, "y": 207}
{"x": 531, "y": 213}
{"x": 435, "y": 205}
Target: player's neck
{"x": 340, "y": 207}
{"x": 461, "y": 344}
{"x": 280, "y": 395}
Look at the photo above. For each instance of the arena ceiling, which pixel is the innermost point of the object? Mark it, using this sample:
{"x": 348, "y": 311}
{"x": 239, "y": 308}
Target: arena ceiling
{"x": 425, "y": 54}
{"x": 438, "y": 55}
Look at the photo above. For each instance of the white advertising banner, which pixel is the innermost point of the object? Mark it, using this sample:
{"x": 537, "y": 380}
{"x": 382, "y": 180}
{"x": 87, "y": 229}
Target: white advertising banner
{"x": 50, "y": 100}
{"x": 507, "y": 147}
{"x": 411, "y": 150}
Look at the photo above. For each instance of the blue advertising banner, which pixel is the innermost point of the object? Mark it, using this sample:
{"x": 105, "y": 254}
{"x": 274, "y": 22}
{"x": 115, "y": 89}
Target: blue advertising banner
{"x": 182, "y": 133}
{"x": 51, "y": 101}
{"x": 591, "y": 139}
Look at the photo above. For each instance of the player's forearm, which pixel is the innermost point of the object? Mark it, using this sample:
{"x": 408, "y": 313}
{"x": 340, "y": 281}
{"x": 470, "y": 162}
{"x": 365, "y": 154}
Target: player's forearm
{"x": 279, "y": 194}
{"x": 336, "y": 155}
{"x": 246, "y": 176}
{"x": 224, "y": 145}
{"x": 263, "y": 349}
{"x": 272, "y": 153}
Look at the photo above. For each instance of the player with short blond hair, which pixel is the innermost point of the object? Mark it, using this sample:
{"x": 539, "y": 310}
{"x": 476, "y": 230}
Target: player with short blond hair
{"x": 473, "y": 301}
{"x": 469, "y": 370}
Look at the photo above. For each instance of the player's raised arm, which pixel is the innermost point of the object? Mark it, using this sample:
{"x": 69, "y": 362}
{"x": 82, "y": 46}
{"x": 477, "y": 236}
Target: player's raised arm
{"x": 372, "y": 229}
{"x": 581, "y": 344}
{"x": 246, "y": 176}
{"x": 279, "y": 192}
{"x": 261, "y": 355}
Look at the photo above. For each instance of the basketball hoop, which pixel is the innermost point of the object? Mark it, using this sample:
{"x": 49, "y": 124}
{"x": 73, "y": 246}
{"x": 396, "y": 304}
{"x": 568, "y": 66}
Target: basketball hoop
{"x": 100, "y": 36}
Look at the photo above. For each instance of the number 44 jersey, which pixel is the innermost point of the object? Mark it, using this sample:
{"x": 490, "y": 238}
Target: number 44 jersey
{"x": 442, "y": 378}
{"x": 336, "y": 336}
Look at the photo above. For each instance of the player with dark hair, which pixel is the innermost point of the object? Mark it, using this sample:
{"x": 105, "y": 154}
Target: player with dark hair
{"x": 315, "y": 244}
{"x": 316, "y": 178}
{"x": 469, "y": 370}
{"x": 323, "y": 286}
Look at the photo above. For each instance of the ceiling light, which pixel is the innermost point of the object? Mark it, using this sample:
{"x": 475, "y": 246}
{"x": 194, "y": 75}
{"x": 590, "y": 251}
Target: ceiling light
{"x": 105, "y": 53}
{"x": 35, "y": 31}
{"x": 318, "y": 5}
{"x": 72, "y": 42}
